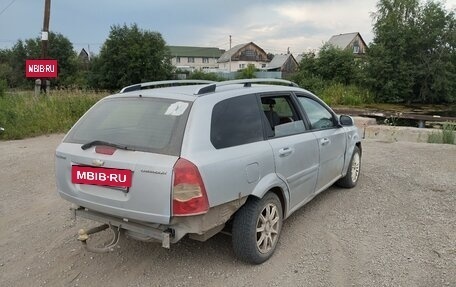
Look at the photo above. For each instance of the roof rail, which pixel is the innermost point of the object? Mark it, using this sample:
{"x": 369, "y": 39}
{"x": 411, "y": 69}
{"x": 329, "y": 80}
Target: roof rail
{"x": 141, "y": 86}
{"x": 247, "y": 83}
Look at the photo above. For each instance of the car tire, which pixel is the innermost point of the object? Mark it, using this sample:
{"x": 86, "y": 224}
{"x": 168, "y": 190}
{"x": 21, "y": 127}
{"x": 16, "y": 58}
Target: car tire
{"x": 256, "y": 228}
{"x": 351, "y": 178}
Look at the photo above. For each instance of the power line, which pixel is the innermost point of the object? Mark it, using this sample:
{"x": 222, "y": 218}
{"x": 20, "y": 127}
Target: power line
{"x": 7, "y": 6}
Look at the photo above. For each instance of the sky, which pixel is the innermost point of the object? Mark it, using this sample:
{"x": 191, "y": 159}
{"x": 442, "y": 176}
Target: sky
{"x": 274, "y": 25}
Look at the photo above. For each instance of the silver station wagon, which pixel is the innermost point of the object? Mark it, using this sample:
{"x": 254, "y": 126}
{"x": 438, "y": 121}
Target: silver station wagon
{"x": 162, "y": 160}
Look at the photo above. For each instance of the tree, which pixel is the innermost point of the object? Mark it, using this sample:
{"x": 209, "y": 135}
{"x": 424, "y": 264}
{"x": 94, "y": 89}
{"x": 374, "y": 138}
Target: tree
{"x": 309, "y": 64}
{"x": 59, "y": 48}
{"x": 436, "y": 74}
{"x": 130, "y": 55}
{"x": 337, "y": 65}
{"x": 14, "y": 65}
{"x": 307, "y": 75}
{"x": 332, "y": 65}
{"x": 412, "y": 55}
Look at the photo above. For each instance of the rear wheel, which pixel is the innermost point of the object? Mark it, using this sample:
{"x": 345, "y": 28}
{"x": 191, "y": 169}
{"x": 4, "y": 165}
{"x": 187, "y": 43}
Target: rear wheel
{"x": 352, "y": 176}
{"x": 256, "y": 228}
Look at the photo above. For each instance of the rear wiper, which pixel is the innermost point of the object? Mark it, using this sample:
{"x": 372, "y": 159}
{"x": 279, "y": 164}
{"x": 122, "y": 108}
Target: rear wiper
{"x": 97, "y": 142}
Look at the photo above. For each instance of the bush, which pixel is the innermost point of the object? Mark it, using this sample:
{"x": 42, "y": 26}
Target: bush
{"x": 248, "y": 72}
{"x": 448, "y": 133}
{"x": 200, "y": 75}
{"x": 351, "y": 95}
{"x": 312, "y": 83}
{"x": 3, "y": 88}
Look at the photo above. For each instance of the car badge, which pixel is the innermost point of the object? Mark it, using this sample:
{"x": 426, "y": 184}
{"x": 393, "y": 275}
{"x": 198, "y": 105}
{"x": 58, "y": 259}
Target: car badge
{"x": 97, "y": 162}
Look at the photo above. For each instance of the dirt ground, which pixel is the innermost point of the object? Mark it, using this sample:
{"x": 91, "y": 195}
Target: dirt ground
{"x": 396, "y": 228}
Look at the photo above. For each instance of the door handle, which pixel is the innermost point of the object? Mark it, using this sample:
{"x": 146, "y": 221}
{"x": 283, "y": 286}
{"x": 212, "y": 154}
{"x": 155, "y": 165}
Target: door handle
{"x": 324, "y": 141}
{"x": 285, "y": 151}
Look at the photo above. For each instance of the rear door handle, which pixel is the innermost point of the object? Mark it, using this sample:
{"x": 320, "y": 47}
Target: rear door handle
{"x": 324, "y": 141}
{"x": 286, "y": 151}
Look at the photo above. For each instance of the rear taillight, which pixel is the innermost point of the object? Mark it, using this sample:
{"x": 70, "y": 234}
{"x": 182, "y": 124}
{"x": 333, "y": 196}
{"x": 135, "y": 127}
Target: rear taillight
{"x": 189, "y": 194}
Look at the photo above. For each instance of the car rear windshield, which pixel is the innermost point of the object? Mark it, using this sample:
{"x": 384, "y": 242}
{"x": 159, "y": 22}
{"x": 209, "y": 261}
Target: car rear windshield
{"x": 144, "y": 124}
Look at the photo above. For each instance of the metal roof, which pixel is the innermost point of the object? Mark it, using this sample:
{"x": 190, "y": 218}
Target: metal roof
{"x": 188, "y": 51}
{"x": 278, "y": 61}
{"x": 342, "y": 40}
{"x": 228, "y": 54}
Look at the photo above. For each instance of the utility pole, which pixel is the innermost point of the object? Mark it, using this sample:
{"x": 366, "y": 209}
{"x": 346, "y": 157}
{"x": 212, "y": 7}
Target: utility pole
{"x": 45, "y": 38}
{"x": 230, "y": 55}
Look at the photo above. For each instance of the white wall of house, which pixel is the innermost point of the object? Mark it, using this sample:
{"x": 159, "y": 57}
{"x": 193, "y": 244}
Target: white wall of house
{"x": 195, "y": 63}
{"x": 239, "y": 65}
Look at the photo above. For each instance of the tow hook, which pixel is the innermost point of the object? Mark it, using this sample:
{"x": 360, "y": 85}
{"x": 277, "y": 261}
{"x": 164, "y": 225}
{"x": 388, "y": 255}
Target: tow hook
{"x": 84, "y": 236}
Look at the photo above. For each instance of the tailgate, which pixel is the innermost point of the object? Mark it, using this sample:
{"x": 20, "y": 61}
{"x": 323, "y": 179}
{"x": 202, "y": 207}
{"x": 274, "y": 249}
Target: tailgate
{"x": 147, "y": 199}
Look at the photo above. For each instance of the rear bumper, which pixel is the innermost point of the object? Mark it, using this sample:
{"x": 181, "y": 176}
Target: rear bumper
{"x": 116, "y": 211}
{"x": 199, "y": 227}
{"x": 159, "y": 233}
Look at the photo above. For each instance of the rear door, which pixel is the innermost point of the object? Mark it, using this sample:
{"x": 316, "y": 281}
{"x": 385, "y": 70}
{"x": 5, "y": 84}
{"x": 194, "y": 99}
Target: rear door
{"x": 235, "y": 157}
{"x": 331, "y": 140}
{"x": 129, "y": 174}
{"x": 296, "y": 152}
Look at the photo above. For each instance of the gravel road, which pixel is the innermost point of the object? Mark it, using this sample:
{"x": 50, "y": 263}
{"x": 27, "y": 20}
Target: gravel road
{"x": 396, "y": 228}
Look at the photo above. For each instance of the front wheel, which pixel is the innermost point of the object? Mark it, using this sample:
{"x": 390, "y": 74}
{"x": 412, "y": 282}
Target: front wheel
{"x": 256, "y": 228}
{"x": 351, "y": 178}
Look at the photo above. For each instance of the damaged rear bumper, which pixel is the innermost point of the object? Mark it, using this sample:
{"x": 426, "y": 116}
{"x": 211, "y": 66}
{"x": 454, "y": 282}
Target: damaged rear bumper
{"x": 161, "y": 234}
{"x": 199, "y": 227}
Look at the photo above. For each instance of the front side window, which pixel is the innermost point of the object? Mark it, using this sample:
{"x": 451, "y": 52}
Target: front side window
{"x": 191, "y": 60}
{"x": 236, "y": 121}
{"x": 319, "y": 116}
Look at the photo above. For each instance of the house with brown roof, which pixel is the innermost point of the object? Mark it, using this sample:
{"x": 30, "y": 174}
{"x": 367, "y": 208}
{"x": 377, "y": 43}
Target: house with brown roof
{"x": 240, "y": 56}
{"x": 351, "y": 41}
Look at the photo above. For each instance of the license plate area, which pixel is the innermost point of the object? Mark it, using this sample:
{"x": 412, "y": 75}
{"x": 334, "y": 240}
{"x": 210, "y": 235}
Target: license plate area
{"x": 101, "y": 176}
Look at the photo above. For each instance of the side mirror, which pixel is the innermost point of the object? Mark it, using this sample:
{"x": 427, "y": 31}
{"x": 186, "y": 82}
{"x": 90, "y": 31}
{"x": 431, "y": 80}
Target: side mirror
{"x": 346, "y": 121}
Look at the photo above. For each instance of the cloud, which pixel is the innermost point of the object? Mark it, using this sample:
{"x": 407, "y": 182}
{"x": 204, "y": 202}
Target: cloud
{"x": 276, "y": 25}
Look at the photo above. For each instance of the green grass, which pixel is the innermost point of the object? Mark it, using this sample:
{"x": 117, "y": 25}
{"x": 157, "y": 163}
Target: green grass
{"x": 341, "y": 95}
{"x": 448, "y": 133}
{"x": 24, "y": 115}
{"x": 445, "y": 136}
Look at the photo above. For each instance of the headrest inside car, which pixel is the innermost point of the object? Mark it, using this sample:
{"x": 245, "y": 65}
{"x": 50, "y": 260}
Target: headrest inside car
{"x": 268, "y": 101}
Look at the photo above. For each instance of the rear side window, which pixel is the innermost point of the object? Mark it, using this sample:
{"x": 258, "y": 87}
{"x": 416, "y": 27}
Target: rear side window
{"x": 282, "y": 118}
{"x": 236, "y": 121}
{"x": 144, "y": 124}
